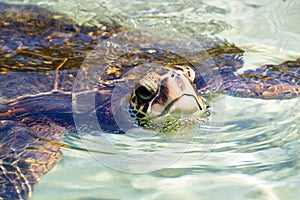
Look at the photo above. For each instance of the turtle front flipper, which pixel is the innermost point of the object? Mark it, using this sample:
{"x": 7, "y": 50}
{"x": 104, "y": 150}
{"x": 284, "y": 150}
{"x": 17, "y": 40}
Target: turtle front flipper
{"x": 268, "y": 82}
{"x": 27, "y": 151}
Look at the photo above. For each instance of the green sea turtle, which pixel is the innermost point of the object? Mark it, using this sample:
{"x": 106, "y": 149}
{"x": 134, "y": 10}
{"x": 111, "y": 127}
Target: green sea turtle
{"x": 44, "y": 83}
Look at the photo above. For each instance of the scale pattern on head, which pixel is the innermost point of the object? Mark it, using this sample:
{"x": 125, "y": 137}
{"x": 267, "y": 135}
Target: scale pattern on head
{"x": 159, "y": 93}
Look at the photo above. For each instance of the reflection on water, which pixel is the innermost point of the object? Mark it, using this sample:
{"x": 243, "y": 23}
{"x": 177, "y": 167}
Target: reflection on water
{"x": 256, "y": 157}
{"x": 257, "y": 154}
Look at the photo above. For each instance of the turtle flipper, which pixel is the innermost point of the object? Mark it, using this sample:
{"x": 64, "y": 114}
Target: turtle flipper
{"x": 268, "y": 82}
{"x": 25, "y": 156}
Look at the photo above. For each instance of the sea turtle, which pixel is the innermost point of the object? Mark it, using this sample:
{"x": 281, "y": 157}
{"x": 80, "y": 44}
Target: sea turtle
{"x": 132, "y": 79}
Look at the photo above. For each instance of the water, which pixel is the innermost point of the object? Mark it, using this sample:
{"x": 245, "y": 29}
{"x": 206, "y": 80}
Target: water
{"x": 256, "y": 156}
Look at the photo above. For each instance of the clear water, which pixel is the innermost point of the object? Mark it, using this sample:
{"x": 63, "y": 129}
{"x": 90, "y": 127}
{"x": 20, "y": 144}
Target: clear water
{"x": 257, "y": 154}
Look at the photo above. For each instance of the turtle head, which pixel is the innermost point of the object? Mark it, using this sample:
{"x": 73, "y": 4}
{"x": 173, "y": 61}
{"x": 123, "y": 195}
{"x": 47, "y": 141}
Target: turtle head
{"x": 166, "y": 98}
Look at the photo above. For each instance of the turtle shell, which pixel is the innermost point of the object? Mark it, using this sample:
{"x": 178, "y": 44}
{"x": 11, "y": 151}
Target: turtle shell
{"x": 52, "y": 67}
{"x": 102, "y": 83}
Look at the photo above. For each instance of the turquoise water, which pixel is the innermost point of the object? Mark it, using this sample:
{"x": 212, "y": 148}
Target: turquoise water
{"x": 251, "y": 153}
{"x": 255, "y": 157}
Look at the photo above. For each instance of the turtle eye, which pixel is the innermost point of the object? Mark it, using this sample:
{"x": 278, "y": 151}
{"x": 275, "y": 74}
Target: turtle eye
{"x": 143, "y": 93}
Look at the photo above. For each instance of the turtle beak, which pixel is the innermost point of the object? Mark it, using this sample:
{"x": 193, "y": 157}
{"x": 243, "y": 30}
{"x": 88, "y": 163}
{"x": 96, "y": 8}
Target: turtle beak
{"x": 162, "y": 98}
{"x": 185, "y": 105}
{"x": 176, "y": 98}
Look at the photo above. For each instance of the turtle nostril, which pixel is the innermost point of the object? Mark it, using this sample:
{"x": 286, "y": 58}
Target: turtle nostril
{"x": 143, "y": 93}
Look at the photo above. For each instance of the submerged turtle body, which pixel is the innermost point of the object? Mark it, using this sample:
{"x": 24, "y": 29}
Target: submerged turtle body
{"x": 131, "y": 79}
